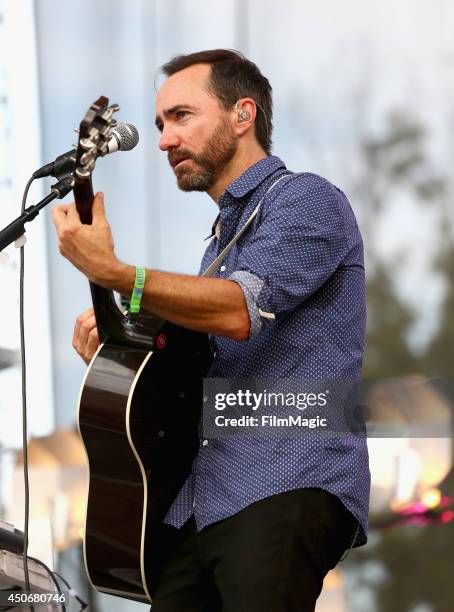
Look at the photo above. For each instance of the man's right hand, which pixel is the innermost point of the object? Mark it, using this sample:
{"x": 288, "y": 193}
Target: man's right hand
{"x": 85, "y": 338}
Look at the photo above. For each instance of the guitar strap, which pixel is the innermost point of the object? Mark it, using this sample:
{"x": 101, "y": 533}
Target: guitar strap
{"x": 216, "y": 263}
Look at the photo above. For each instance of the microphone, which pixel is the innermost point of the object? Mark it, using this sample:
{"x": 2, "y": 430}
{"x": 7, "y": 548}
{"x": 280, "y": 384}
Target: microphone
{"x": 124, "y": 137}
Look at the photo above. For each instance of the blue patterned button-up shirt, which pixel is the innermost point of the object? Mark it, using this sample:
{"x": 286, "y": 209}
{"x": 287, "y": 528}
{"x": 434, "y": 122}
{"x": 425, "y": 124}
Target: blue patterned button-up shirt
{"x": 300, "y": 265}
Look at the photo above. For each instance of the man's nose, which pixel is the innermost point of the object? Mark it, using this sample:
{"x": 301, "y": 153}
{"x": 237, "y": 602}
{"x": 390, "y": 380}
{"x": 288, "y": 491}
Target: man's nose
{"x": 169, "y": 139}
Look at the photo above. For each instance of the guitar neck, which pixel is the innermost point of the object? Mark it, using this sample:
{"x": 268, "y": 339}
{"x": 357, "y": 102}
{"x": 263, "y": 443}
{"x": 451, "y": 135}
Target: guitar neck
{"x": 112, "y": 324}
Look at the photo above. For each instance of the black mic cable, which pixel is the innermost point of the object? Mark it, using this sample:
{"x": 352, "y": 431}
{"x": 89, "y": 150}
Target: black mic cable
{"x": 61, "y": 193}
{"x": 24, "y": 402}
{"x": 59, "y": 190}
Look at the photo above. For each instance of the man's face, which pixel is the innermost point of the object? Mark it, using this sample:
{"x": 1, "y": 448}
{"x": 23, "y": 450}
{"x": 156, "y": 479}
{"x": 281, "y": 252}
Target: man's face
{"x": 196, "y": 131}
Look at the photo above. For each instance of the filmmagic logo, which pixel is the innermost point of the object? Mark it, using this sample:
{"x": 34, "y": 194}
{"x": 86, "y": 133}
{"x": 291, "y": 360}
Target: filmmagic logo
{"x": 268, "y": 420}
{"x": 254, "y": 401}
{"x": 271, "y": 407}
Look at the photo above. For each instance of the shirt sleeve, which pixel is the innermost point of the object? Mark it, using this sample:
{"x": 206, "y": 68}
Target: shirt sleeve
{"x": 299, "y": 242}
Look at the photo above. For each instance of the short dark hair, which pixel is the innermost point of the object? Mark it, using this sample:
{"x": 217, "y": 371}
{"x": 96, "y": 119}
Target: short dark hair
{"x": 232, "y": 77}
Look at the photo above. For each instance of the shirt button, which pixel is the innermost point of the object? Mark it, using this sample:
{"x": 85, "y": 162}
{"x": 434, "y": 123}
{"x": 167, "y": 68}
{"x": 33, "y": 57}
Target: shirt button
{"x": 222, "y": 268}
{"x": 205, "y": 443}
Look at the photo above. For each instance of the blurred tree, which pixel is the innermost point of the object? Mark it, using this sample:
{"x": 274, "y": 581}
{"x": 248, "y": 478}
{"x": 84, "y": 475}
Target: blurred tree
{"x": 418, "y": 568}
{"x": 438, "y": 359}
{"x": 415, "y": 563}
{"x": 389, "y": 321}
{"x": 393, "y": 163}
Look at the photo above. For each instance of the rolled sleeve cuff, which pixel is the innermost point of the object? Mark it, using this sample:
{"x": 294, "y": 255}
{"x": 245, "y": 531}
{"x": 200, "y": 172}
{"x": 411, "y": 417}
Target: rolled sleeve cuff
{"x": 252, "y": 286}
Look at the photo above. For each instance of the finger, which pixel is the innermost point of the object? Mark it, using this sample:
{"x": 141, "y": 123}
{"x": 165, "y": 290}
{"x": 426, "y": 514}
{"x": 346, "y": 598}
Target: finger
{"x": 63, "y": 208}
{"x": 98, "y": 211}
{"x": 73, "y": 215}
{"x": 59, "y": 214}
{"x": 82, "y": 332}
{"x": 92, "y": 344}
{"x": 87, "y": 313}
{"x": 80, "y": 319}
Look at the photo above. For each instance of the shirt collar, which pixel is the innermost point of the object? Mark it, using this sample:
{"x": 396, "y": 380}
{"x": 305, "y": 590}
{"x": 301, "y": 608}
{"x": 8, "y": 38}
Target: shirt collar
{"x": 249, "y": 180}
{"x": 214, "y": 227}
{"x": 254, "y": 175}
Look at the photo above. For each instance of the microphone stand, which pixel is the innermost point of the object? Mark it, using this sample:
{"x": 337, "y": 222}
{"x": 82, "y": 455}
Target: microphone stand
{"x": 16, "y": 228}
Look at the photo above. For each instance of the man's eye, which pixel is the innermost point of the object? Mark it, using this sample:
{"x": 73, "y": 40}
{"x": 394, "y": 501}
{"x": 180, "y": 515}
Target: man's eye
{"x": 181, "y": 114}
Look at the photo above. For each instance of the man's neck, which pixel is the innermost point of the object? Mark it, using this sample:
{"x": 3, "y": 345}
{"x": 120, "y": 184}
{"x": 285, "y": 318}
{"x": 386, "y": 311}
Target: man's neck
{"x": 239, "y": 164}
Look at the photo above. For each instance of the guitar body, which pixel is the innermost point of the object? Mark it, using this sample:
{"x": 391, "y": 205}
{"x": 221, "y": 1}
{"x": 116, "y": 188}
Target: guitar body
{"x": 138, "y": 417}
{"x": 139, "y": 413}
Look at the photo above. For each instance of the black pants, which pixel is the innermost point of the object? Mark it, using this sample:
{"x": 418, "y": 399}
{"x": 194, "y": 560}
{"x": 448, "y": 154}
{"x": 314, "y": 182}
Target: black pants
{"x": 270, "y": 557}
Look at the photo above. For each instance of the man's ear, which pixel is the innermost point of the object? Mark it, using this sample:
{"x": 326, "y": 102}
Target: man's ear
{"x": 245, "y": 111}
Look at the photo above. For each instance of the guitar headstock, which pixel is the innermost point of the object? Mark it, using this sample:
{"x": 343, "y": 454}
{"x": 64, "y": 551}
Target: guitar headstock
{"x": 94, "y": 134}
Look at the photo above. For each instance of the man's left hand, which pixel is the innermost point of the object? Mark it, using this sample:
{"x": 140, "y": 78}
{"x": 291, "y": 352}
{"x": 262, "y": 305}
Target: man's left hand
{"x": 88, "y": 247}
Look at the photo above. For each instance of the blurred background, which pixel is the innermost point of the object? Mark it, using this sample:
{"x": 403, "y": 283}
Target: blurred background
{"x": 363, "y": 95}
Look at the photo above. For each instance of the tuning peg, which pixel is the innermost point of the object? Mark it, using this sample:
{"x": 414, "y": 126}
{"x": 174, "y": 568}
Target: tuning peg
{"x": 77, "y": 130}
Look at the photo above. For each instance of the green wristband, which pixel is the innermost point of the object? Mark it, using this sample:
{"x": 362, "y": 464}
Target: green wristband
{"x": 137, "y": 292}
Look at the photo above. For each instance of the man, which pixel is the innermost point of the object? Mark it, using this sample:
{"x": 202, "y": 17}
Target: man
{"x": 262, "y": 520}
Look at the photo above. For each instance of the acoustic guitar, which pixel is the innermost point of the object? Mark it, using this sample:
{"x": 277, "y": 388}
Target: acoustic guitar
{"x": 138, "y": 416}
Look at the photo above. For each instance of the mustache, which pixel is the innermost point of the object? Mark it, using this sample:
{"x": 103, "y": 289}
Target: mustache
{"x": 175, "y": 157}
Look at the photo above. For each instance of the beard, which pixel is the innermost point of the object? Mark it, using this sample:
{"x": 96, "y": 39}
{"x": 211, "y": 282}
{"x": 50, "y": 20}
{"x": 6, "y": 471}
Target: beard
{"x": 216, "y": 154}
